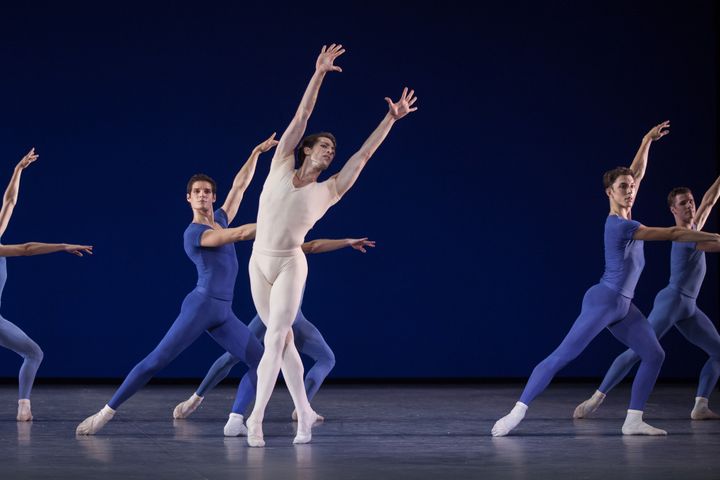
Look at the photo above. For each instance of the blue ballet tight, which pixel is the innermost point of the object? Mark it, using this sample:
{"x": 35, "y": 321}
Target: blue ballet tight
{"x": 199, "y": 313}
{"x": 672, "y": 308}
{"x": 11, "y": 337}
{"x": 604, "y": 308}
{"x": 308, "y": 340}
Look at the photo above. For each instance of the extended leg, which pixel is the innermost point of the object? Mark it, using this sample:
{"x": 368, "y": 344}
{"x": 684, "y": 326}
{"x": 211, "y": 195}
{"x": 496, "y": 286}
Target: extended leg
{"x": 189, "y": 325}
{"x": 599, "y": 306}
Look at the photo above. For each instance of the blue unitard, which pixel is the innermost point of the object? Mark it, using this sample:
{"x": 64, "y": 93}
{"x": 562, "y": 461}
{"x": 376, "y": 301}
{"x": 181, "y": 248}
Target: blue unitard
{"x": 609, "y": 305}
{"x": 675, "y": 306}
{"x": 308, "y": 340}
{"x": 206, "y": 309}
{"x": 13, "y": 338}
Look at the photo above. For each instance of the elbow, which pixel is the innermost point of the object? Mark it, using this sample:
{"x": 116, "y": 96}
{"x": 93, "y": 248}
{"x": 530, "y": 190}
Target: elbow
{"x": 26, "y": 250}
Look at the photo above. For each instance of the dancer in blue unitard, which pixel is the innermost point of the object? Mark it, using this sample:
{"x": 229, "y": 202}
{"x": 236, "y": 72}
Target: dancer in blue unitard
{"x": 675, "y": 306}
{"x": 609, "y": 303}
{"x": 209, "y": 244}
{"x": 11, "y": 337}
{"x": 308, "y": 341}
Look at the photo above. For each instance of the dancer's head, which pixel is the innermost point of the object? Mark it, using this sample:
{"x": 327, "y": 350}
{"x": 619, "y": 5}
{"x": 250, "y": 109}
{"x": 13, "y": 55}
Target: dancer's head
{"x": 682, "y": 205}
{"x": 201, "y": 191}
{"x": 620, "y": 187}
{"x": 318, "y": 148}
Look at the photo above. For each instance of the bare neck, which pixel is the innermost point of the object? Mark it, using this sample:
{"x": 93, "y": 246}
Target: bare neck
{"x": 306, "y": 174}
{"x": 203, "y": 216}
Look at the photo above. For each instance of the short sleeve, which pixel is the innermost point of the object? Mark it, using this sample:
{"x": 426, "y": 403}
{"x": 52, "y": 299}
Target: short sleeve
{"x": 221, "y": 217}
{"x": 193, "y": 234}
{"x": 628, "y": 228}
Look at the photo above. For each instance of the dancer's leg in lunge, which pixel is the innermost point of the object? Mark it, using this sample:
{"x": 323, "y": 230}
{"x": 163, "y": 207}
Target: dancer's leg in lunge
{"x": 668, "y": 308}
{"x": 635, "y": 332}
{"x": 13, "y": 338}
{"x": 699, "y": 330}
{"x": 600, "y": 307}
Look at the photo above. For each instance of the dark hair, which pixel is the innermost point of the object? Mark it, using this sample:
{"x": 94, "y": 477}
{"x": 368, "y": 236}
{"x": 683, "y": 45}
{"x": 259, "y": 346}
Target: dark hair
{"x": 310, "y": 141}
{"x": 610, "y": 176}
{"x": 675, "y": 192}
{"x": 201, "y": 177}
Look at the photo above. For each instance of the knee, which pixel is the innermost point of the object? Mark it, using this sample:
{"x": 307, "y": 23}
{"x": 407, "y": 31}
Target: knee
{"x": 276, "y": 339}
{"x": 33, "y": 353}
{"x": 329, "y": 358}
{"x": 36, "y": 354}
{"x": 654, "y": 355}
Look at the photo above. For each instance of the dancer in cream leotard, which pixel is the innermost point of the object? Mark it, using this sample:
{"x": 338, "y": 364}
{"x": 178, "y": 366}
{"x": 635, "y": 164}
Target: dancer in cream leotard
{"x": 290, "y": 204}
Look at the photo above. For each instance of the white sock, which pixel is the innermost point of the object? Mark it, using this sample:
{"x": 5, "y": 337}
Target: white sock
{"x": 254, "y": 433}
{"x": 590, "y": 405}
{"x": 634, "y": 425}
{"x": 304, "y": 428}
{"x": 234, "y": 426}
{"x": 318, "y": 417}
{"x": 700, "y": 411}
{"x": 94, "y": 423}
{"x": 186, "y": 408}
{"x": 24, "y": 413}
{"x": 507, "y": 423}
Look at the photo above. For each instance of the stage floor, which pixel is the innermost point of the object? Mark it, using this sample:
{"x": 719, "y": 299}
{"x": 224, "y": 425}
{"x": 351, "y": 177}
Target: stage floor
{"x": 371, "y": 431}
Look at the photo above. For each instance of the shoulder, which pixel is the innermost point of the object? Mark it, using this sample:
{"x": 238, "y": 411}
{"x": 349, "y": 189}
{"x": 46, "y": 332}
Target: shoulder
{"x": 221, "y": 218}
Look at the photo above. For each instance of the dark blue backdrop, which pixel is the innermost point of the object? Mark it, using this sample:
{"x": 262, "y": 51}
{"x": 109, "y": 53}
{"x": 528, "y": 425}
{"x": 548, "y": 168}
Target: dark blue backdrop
{"x": 486, "y": 204}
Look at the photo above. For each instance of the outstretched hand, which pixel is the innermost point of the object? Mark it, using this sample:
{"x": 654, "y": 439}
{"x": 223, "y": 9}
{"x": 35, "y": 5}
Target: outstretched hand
{"x": 403, "y": 106}
{"x": 267, "y": 144}
{"x": 29, "y": 158}
{"x": 361, "y": 243}
{"x": 659, "y": 131}
{"x": 326, "y": 58}
{"x": 79, "y": 249}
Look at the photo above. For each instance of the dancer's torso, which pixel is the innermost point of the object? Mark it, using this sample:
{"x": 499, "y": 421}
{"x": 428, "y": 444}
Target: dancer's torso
{"x": 687, "y": 268}
{"x": 287, "y": 213}
{"x": 217, "y": 267}
{"x": 624, "y": 257}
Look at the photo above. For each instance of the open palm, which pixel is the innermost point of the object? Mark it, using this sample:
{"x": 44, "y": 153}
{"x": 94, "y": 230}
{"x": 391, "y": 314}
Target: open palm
{"x": 403, "y": 106}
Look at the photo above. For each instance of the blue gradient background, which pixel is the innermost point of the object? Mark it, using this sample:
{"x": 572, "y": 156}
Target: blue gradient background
{"x": 486, "y": 204}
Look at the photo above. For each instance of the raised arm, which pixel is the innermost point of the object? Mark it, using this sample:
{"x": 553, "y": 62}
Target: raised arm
{"x": 352, "y": 168}
{"x": 217, "y": 238}
{"x": 639, "y": 164}
{"x": 674, "y": 234}
{"x": 708, "y": 202}
{"x": 13, "y": 188}
{"x": 243, "y": 177}
{"x": 285, "y": 153}
{"x": 35, "y": 248}
{"x": 322, "y": 245}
